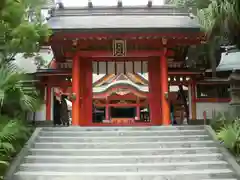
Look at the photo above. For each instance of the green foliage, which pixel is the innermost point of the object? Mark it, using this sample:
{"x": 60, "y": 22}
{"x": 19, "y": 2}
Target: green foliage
{"x": 13, "y": 135}
{"x": 15, "y": 97}
{"x": 218, "y": 17}
{"x": 15, "y": 91}
{"x": 220, "y": 21}
{"x": 222, "y": 18}
{"x": 230, "y": 135}
{"x": 221, "y": 119}
{"x": 22, "y": 28}
{"x": 190, "y": 4}
{"x": 227, "y": 129}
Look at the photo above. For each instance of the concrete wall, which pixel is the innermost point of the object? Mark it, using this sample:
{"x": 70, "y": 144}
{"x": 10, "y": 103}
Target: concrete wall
{"x": 210, "y": 107}
{"x": 39, "y": 115}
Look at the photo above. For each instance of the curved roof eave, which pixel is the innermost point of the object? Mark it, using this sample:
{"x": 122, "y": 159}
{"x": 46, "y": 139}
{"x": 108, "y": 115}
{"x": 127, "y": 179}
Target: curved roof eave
{"x": 118, "y": 83}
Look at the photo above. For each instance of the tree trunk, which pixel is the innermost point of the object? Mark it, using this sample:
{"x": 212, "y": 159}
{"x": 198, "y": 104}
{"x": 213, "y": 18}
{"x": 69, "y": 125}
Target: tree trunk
{"x": 212, "y": 58}
{"x": 2, "y": 4}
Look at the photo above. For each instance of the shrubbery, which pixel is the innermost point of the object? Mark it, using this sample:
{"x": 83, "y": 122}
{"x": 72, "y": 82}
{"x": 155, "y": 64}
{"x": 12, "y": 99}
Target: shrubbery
{"x": 13, "y": 135}
{"x": 227, "y": 129}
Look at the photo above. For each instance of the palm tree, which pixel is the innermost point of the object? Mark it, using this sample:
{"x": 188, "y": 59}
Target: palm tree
{"x": 203, "y": 10}
{"x": 233, "y": 21}
{"x": 217, "y": 20}
{"x": 223, "y": 26}
{"x": 206, "y": 19}
{"x": 222, "y": 19}
{"x": 15, "y": 94}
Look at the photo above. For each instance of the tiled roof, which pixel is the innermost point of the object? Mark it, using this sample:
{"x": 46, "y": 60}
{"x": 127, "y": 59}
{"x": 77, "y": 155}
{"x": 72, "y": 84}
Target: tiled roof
{"x": 120, "y": 82}
{"x": 159, "y": 18}
{"x": 49, "y": 4}
{"x": 229, "y": 61}
{"x": 110, "y": 78}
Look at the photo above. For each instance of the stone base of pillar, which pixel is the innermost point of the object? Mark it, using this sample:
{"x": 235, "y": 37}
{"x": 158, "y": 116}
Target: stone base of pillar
{"x": 234, "y": 110}
{"x": 106, "y": 121}
{"x": 235, "y": 94}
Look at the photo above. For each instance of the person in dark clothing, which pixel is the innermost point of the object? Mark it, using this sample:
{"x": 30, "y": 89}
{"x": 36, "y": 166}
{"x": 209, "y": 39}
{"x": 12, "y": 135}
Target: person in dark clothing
{"x": 172, "y": 113}
{"x": 56, "y": 112}
{"x": 64, "y": 111}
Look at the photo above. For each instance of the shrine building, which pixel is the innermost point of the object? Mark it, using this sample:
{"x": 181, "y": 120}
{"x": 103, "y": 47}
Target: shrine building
{"x": 122, "y": 65}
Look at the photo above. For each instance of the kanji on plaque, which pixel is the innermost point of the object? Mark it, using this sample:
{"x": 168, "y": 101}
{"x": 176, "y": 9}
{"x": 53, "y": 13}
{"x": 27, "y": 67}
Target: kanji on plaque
{"x": 119, "y": 48}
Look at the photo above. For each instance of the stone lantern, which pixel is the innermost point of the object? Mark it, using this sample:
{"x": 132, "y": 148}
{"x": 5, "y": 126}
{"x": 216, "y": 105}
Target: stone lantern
{"x": 230, "y": 64}
{"x": 234, "y": 90}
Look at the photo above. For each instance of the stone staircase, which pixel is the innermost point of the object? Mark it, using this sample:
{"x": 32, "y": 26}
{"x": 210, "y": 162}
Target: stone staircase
{"x": 124, "y": 153}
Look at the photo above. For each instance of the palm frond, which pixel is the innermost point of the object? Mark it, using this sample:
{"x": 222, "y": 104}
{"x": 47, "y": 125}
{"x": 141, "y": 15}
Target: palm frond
{"x": 14, "y": 90}
{"x": 13, "y": 134}
{"x": 4, "y": 163}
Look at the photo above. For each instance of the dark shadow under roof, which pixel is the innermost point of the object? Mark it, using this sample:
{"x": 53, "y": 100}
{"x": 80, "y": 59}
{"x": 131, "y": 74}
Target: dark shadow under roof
{"x": 112, "y": 19}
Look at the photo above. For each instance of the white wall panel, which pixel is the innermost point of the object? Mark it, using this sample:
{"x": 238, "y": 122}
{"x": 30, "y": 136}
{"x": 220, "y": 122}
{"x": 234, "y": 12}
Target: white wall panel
{"x": 120, "y": 67}
{"x": 102, "y": 67}
{"x": 210, "y": 107}
{"x": 111, "y": 67}
{"x": 129, "y": 66}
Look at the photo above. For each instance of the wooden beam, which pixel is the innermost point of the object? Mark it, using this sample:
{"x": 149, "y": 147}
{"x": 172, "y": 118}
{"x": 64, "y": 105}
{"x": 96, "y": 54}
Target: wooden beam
{"x": 148, "y": 43}
{"x": 121, "y": 105}
{"x": 72, "y": 35}
{"x": 184, "y": 73}
{"x": 106, "y": 54}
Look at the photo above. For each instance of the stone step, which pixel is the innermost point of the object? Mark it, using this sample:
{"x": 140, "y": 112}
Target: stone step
{"x": 123, "y": 138}
{"x": 123, "y": 145}
{"x": 125, "y": 152}
{"x": 55, "y": 167}
{"x": 154, "y": 175}
{"x": 122, "y": 159}
{"x": 120, "y": 129}
{"x": 222, "y": 179}
{"x": 122, "y": 133}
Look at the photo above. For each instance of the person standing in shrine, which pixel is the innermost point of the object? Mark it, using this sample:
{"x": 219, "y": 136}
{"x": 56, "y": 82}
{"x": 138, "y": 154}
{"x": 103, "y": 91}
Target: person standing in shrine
{"x": 64, "y": 111}
{"x": 56, "y": 112}
{"x": 172, "y": 113}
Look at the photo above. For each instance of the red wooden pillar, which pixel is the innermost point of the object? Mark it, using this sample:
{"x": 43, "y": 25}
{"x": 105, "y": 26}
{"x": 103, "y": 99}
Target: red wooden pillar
{"x": 76, "y": 91}
{"x": 164, "y": 90}
{"x": 48, "y": 103}
{"x": 107, "y": 110}
{"x": 154, "y": 91}
{"x": 89, "y": 88}
{"x": 86, "y": 92}
{"x": 138, "y": 109}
